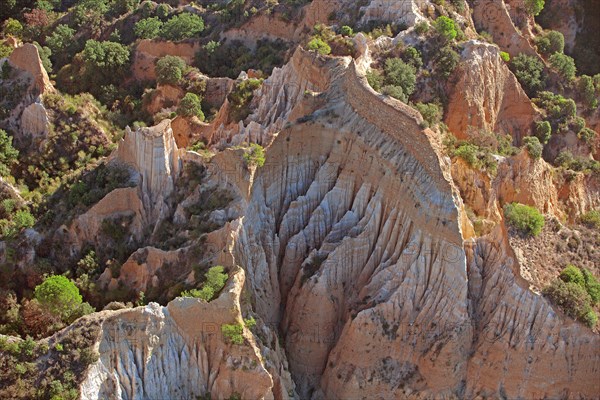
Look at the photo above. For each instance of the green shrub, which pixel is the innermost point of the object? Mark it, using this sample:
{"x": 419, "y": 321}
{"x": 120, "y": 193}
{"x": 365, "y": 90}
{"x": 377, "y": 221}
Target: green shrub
{"x": 105, "y": 55}
{"x": 467, "y": 152}
{"x": 317, "y": 44}
{"x": 564, "y": 64}
{"x": 59, "y": 295}
{"x": 528, "y": 220}
{"x": 8, "y": 154}
{"x": 432, "y": 113}
{"x": 445, "y": 27}
{"x": 214, "y": 283}
{"x": 529, "y": 71}
{"x": 543, "y": 131}
{"x": 592, "y": 286}
{"x": 346, "y": 31}
{"x": 148, "y": 28}
{"x": 505, "y": 56}
{"x": 402, "y": 75}
{"x": 375, "y": 79}
{"x": 255, "y": 155}
{"x": 550, "y": 43}
{"x": 421, "y": 28}
{"x": 533, "y": 146}
{"x": 586, "y": 91}
{"x": 412, "y": 56}
{"x": 591, "y": 219}
{"x": 534, "y": 7}
{"x": 446, "y": 61}
{"x": 586, "y": 134}
{"x": 191, "y": 106}
{"x": 559, "y": 110}
{"x": 169, "y": 70}
{"x": 162, "y": 11}
{"x": 395, "y": 92}
{"x": 572, "y": 298}
{"x": 12, "y": 27}
{"x": 233, "y": 333}
{"x": 182, "y": 26}
{"x": 572, "y": 274}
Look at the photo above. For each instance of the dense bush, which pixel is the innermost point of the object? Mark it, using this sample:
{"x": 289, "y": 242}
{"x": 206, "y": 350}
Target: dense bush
{"x": 233, "y": 333}
{"x": 59, "y": 295}
{"x": 432, "y": 113}
{"x": 375, "y": 79}
{"x": 559, "y": 110}
{"x": 346, "y": 31}
{"x": 214, "y": 283}
{"x": 191, "y": 106}
{"x": 586, "y": 91}
{"x": 8, "y": 154}
{"x": 529, "y": 72}
{"x": 576, "y": 292}
{"x": 533, "y": 146}
{"x": 564, "y": 64}
{"x": 254, "y": 155}
{"x": 61, "y": 39}
{"x": 169, "y": 70}
{"x": 528, "y": 220}
{"x": 182, "y": 26}
{"x": 401, "y": 77}
{"x": 566, "y": 160}
{"x": 240, "y": 98}
{"x": 105, "y": 56}
{"x": 445, "y": 27}
{"x": 505, "y": 56}
{"x": 319, "y": 45}
{"x": 534, "y": 7}
{"x": 12, "y": 27}
{"x": 148, "y": 28}
{"x": 550, "y": 43}
{"x": 445, "y": 62}
{"x": 543, "y": 131}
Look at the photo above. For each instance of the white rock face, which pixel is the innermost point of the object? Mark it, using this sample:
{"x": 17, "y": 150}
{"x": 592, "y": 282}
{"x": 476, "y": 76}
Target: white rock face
{"x": 34, "y": 120}
{"x": 406, "y": 12}
{"x": 178, "y": 352}
{"x": 154, "y": 154}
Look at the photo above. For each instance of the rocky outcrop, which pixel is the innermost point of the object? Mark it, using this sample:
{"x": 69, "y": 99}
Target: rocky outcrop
{"x": 148, "y": 51}
{"x": 164, "y": 96}
{"x": 153, "y": 153}
{"x": 487, "y": 96}
{"x": 403, "y": 12}
{"x": 493, "y": 16}
{"x": 178, "y": 351}
{"x": 27, "y": 58}
{"x": 34, "y": 120}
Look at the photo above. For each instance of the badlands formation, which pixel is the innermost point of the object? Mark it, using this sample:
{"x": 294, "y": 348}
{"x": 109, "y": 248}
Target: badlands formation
{"x": 351, "y": 247}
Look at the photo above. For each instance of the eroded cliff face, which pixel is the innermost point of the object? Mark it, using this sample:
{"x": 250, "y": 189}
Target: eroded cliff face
{"x": 178, "y": 351}
{"x": 487, "y": 96}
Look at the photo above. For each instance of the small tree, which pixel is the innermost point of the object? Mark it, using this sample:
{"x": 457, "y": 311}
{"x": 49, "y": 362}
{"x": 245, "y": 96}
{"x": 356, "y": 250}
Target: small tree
{"x": 564, "y": 64}
{"x": 255, "y": 155}
{"x": 400, "y": 74}
{"x": 12, "y": 27}
{"x": 215, "y": 282}
{"x": 446, "y": 61}
{"x": 148, "y": 28}
{"x": 533, "y": 146}
{"x": 319, "y": 45}
{"x": 8, "y": 154}
{"x": 534, "y": 7}
{"x": 586, "y": 91}
{"x": 169, "y": 70}
{"x": 550, "y": 43}
{"x": 529, "y": 72}
{"x": 182, "y": 26}
{"x": 446, "y": 28}
{"x": 61, "y": 38}
{"x": 346, "y": 31}
{"x": 190, "y": 106}
{"x": 572, "y": 274}
{"x": 58, "y": 295}
{"x": 526, "y": 219}
{"x": 543, "y": 131}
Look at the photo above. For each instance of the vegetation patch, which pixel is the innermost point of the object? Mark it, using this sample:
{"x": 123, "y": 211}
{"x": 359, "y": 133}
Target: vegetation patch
{"x": 526, "y": 219}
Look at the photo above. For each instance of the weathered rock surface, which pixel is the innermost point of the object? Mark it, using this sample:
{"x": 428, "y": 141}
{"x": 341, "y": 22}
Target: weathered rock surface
{"x": 153, "y": 153}
{"x": 27, "y": 58}
{"x": 404, "y": 12}
{"x": 34, "y": 120}
{"x": 487, "y": 96}
{"x": 178, "y": 351}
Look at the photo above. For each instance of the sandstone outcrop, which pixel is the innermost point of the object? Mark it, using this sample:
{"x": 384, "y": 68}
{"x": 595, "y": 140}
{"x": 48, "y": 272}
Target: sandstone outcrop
{"x": 404, "y": 12}
{"x": 27, "y": 58}
{"x": 148, "y": 51}
{"x": 494, "y": 17}
{"x": 153, "y": 153}
{"x": 178, "y": 351}
{"x": 34, "y": 120}
{"x": 487, "y": 96}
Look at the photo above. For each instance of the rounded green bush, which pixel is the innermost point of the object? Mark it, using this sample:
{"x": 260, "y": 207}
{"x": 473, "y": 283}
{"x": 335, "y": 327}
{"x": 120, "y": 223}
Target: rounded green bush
{"x": 59, "y": 295}
{"x": 572, "y": 274}
{"x": 528, "y": 220}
